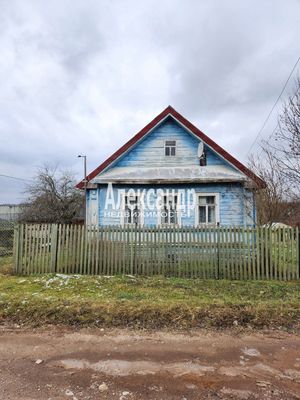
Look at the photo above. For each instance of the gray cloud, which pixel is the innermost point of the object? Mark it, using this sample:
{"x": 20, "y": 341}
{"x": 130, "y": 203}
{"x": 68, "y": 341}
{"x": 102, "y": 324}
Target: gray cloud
{"x": 85, "y": 76}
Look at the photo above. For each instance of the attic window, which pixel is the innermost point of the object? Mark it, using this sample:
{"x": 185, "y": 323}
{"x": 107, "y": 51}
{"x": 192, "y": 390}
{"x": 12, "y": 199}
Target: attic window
{"x": 170, "y": 148}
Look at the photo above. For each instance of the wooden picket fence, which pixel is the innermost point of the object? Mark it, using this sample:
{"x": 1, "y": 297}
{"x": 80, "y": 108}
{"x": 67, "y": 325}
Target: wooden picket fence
{"x": 221, "y": 252}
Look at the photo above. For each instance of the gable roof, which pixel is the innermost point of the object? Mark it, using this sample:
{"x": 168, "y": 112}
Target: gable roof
{"x": 170, "y": 111}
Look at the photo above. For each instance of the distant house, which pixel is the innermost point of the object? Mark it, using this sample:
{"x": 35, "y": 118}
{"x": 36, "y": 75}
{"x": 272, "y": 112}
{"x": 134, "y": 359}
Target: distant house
{"x": 10, "y": 212}
{"x": 171, "y": 173}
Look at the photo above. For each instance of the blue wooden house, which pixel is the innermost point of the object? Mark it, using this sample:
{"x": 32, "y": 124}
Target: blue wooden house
{"x": 171, "y": 173}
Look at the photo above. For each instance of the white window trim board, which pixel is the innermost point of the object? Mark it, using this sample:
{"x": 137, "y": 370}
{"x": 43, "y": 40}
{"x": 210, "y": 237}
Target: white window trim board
{"x": 217, "y": 204}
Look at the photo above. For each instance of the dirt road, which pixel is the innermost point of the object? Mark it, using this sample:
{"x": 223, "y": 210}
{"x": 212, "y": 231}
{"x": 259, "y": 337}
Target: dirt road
{"x": 124, "y": 365}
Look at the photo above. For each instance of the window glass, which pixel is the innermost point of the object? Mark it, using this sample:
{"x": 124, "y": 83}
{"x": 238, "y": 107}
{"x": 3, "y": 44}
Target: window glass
{"x": 202, "y": 215}
{"x": 211, "y": 216}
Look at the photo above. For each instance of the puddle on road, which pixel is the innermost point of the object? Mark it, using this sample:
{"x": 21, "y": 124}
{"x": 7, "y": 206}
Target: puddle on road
{"x": 177, "y": 369}
{"x": 125, "y": 368}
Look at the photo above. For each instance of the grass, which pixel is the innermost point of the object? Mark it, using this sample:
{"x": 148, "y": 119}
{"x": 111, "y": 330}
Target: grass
{"x": 6, "y": 265}
{"x": 154, "y": 302}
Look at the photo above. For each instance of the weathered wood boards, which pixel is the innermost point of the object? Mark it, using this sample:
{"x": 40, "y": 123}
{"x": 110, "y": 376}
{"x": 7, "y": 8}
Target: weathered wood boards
{"x": 198, "y": 252}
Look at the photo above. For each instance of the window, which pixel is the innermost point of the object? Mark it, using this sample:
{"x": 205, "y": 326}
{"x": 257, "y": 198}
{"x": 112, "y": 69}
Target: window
{"x": 132, "y": 210}
{"x": 170, "y": 148}
{"x": 169, "y": 210}
{"x": 207, "y": 212}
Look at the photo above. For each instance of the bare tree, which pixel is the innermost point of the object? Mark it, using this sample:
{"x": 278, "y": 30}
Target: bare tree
{"x": 286, "y": 149}
{"x": 279, "y": 166}
{"x": 270, "y": 200}
{"x": 52, "y": 197}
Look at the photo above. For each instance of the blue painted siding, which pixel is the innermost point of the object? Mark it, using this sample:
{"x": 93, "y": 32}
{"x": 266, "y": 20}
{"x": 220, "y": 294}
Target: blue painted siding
{"x": 236, "y": 205}
{"x": 232, "y": 208}
{"x": 150, "y": 151}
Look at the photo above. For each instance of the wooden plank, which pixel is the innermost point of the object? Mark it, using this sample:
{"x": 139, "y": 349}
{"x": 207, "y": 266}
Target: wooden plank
{"x": 93, "y": 249}
{"x": 21, "y": 250}
{"x": 74, "y": 250}
{"x": 31, "y": 234}
{"x": 211, "y": 252}
{"x": 43, "y": 250}
{"x": 158, "y": 250}
{"x": 190, "y": 249}
{"x": 110, "y": 242}
{"x": 67, "y": 249}
{"x": 293, "y": 253}
{"x": 71, "y": 252}
{"x": 146, "y": 263}
{"x": 97, "y": 250}
{"x": 275, "y": 251}
{"x": 243, "y": 251}
{"x": 111, "y": 250}
{"x": 267, "y": 250}
{"x": 63, "y": 249}
{"x": 78, "y": 248}
{"x": 105, "y": 253}
{"x": 289, "y": 250}
{"x": 53, "y": 247}
{"x": 26, "y": 227}
{"x": 81, "y": 244}
{"x": 284, "y": 254}
{"x": 220, "y": 273}
{"x": 16, "y": 248}
{"x": 271, "y": 255}
{"x": 101, "y": 255}
{"x": 248, "y": 237}
{"x": 226, "y": 254}
{"x": 295, "y": 265}
{"x": 39, "y": 247}
{"x": 262, "y": 253}
{"x": 33, "y": 248}
{"x": 257, "y": 247}
{"x": 297, "y": 253}
{"x": 88, "y": 250}
{"x": 253, "y": 253}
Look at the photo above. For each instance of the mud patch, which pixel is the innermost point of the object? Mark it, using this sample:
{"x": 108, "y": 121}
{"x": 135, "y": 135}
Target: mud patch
{"x": 126, "y": 368}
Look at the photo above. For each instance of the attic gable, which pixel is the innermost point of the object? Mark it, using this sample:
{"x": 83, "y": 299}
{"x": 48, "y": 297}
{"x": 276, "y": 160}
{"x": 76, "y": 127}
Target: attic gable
{"x": 157, "y": 122}
{"x": 150, "y": 150}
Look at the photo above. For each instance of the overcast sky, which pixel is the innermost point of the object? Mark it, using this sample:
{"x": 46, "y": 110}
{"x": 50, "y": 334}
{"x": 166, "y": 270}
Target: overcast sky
{"x": 86, "y": 75}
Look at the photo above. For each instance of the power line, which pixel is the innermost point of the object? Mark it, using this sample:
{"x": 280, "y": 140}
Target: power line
{"x": 269, "y": 137}
{"x": 274, "y": 105}
{"x": 14, "y": 177}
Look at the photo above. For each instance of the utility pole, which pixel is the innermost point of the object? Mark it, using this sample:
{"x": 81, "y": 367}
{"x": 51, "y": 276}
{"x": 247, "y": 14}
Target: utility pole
{"x": 84, "y": 183}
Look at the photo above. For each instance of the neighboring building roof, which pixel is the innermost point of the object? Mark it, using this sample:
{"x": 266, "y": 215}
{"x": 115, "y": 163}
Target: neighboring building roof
{"x": 209, "y": 173}
{"x": 277, "y": 225}
{"x": 170, "y": 111}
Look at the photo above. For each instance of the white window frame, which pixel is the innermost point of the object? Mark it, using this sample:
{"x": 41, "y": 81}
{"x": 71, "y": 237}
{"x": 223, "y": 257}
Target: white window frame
{"x": 160, "y": 209}
{"x": 123, "y": 203}
{"x": 175, "y": 147}
{"x": 217, "y": 209}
